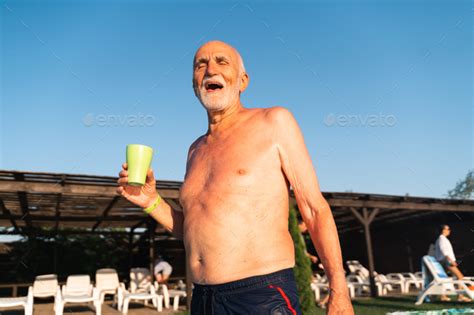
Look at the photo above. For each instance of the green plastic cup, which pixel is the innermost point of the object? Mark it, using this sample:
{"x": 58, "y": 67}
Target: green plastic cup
{"x": 138, "y": 162}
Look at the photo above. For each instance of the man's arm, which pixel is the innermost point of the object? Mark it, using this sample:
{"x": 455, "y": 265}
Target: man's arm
{"x": 172, "y": 220}
{"x": 315, "y": 211}
{"x": 158, "y": 268}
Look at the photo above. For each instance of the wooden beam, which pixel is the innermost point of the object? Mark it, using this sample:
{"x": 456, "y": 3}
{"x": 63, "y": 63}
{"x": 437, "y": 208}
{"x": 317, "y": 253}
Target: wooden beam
{"x": 57, "y": 213}
{"x": 139, "y": 224}
{"x": 23, "y": 199}
{"x": 7, "y": 212}
{"x": 73, "y": 218}
{"x": 106, "y": 211}
{"x": 151, "y": 239}
{"x": 174, "y": 204}
{"x": 79, "y": 189}
{"x": 75, "y": 232}
{"x": 372, "y": 215}
{"x": 370, "y": 252}
{"x": 440, "y": 205}
{"x": 366, "y": 219}
{"x": 141, "y": 239}
{"x": 358, "y": 215}
{"x": 130, "y": 248}
{"x": 370, "y": 256}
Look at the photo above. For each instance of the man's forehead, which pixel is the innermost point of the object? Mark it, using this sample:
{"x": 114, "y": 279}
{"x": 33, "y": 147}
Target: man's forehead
{"x": 215, "y": 49}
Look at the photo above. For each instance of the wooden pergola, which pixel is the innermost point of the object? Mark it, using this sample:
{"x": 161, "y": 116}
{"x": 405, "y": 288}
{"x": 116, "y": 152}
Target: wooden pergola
{"x": 353, "y": 210}
{"x": 90, "y": 205}
{"x": 78, "y": 204}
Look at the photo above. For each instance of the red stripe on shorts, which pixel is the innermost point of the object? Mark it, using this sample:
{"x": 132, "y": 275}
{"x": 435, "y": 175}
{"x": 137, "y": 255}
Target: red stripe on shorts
{"x": 287, "y": 300}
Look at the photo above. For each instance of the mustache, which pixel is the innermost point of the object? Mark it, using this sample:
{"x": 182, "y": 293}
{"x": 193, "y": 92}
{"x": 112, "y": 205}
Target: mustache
{"x": 215, "y": 79}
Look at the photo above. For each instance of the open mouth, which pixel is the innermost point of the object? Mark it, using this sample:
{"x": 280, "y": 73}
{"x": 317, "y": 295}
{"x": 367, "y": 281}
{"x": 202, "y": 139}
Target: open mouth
{"x": 213, "y": 86}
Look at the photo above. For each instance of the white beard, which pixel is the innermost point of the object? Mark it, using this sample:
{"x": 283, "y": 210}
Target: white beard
{"x": 219, "y": 100}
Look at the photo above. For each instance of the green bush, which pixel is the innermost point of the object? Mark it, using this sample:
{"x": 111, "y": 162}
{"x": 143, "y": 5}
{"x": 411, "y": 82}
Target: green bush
{"x": 302, "y": 268}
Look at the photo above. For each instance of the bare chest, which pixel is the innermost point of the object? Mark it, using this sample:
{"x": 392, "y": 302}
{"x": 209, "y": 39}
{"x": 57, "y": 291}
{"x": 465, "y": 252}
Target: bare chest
{"x": 239, "y": 164}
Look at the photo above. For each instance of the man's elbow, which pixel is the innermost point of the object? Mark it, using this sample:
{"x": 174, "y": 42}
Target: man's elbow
{"x": 320, "y": 208}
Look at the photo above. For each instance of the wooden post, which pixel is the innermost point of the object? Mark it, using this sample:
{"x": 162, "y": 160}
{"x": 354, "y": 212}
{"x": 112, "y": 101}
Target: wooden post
{"x": 366, "y": 219}
{"x": 151, "y": 230}
{"x": 55, "y": 263}
{"x": 409, "y": 256}
{"x": 370, "y": 255}
{"x": 130, "y": 250}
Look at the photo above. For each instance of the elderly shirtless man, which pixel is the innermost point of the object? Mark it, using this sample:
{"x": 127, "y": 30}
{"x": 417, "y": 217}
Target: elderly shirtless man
{"x": 235, "y": 196}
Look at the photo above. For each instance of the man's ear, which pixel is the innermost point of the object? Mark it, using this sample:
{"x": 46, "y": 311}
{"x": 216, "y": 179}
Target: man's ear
{"x": 194, "y": 87}
{"x": 244, "y": 82}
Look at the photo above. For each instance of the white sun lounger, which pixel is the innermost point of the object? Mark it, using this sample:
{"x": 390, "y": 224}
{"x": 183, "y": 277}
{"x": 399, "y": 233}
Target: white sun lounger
{"x": 107, "y": 282}
{"x": 170, "y": 294}
{"x": 45, "y": 286}
{"x": 125, "y": 296}
{"x": 78, "y": 289}
{"x": 140, "y": 280}
{"x": 441, "y": 283}
{"x": 25, "y": 301}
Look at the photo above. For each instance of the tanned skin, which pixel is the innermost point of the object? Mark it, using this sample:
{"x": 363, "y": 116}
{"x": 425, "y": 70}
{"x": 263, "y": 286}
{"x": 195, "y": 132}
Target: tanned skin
{"x": 235, "y": 194}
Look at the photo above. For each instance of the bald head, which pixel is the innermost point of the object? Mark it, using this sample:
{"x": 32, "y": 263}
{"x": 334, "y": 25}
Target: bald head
{"x": 217, "y": 45}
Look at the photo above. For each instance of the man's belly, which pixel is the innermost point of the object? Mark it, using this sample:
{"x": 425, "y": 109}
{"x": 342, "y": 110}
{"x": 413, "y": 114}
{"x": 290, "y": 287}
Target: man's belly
{"x": 221, "y": 249}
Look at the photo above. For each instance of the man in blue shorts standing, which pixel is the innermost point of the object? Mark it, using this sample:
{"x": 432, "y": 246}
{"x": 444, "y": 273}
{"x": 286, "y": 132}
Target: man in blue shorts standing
{"x": 235, "y": 198}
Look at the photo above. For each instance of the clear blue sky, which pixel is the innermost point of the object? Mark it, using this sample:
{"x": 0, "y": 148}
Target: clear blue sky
{"x": 382, "y": 89}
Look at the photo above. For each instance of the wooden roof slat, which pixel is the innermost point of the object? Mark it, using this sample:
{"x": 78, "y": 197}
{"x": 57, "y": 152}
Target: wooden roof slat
{"x": 58, "y": 200}
{"x": 106, "y": 211}
{"x": 6, "y": 212}
{"x": 77, "y": 189}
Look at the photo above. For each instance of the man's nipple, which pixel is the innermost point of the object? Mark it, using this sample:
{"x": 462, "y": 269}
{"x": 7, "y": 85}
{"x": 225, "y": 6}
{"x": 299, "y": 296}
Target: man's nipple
{"x": 241, "y": 171}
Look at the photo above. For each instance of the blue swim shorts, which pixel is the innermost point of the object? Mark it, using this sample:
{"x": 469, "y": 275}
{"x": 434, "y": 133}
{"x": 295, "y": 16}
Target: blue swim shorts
{"x": 273, "y": 293}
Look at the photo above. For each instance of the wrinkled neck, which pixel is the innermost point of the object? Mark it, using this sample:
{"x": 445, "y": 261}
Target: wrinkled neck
{"x": 220, "y": 121}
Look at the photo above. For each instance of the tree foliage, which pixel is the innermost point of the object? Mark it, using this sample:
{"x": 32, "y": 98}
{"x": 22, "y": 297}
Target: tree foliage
{"x": 65, "y": 255}
{"x": 464, "y": 188}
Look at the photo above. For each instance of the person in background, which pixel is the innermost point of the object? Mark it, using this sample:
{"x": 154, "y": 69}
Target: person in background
{"x": 162, "y": 270}
{"x": 444, "y": 253}
{"x": 303, "y": 230}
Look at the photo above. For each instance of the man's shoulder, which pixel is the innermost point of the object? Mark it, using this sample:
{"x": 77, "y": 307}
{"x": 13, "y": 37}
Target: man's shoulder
{"x": 278, "y": 115}
{"x": 276, "y": 112}
{"x": 196, "y": 143}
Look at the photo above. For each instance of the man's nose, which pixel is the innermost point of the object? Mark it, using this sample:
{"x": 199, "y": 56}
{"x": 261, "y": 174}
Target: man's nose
{"x": 211, "y": 69}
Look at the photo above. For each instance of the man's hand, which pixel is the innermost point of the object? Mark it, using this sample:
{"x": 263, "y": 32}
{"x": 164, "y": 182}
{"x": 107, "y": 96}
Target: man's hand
{"x": 142, "y": 196}
{"x": 314, "y": 259}
{"x": 339, "y": 304}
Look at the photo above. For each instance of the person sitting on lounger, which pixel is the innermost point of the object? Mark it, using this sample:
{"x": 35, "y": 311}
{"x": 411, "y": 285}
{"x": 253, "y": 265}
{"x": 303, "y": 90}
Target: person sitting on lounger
{"x": 162, "y": 270}
{"x": 444, "y": 253}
